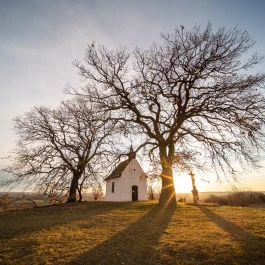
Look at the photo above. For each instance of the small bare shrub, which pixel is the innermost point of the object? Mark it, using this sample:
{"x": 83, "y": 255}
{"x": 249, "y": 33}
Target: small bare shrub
{"x": 221, "y": 200}
{"x": 97, "y": 192}
{"x": 55, "y": 198}
{"x": 241, "y": 198}
{"x": 4, "y": 201}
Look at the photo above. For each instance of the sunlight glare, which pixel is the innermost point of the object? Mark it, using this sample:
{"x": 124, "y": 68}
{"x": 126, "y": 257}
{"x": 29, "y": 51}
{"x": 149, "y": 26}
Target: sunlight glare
{"x": 182, "y": 182}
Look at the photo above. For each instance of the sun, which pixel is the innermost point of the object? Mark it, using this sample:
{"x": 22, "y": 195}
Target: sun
{"x": 182, "y": 182}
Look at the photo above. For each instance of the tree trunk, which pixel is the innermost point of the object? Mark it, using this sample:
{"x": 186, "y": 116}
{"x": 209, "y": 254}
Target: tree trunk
{"x": 168, "y": 194}
{"x": 73, "y": 188}
{"x": 80, "y": 194}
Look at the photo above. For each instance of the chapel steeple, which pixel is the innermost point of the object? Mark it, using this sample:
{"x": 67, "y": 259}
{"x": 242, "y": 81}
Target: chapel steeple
{"x": 132, "y": 153}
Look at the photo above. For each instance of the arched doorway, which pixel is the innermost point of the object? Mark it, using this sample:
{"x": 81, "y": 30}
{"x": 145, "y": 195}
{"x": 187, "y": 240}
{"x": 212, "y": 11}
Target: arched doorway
{"x": 134, "y": 193}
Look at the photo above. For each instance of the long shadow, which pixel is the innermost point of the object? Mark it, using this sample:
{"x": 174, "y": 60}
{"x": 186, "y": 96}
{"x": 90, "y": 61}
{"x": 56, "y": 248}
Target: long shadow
{"x": 18, "y": 222}
{"x": 252, "y": 246}
{"x": 134, "y": 245}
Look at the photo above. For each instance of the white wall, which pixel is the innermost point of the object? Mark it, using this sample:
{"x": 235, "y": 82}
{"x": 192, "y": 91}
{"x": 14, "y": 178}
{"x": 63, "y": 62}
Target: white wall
{"x": 132, "y": 175}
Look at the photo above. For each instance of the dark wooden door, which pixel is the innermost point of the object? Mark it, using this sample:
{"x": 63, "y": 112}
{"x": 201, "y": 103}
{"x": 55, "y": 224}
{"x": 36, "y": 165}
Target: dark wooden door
{"x": 134, "y": 193}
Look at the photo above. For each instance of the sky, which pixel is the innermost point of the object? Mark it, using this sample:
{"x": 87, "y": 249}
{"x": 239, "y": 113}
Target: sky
{"x": 39, "y": 40}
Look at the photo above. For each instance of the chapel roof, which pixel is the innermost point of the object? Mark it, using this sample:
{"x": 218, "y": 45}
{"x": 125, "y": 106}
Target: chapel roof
{"x": 119, "y": 169}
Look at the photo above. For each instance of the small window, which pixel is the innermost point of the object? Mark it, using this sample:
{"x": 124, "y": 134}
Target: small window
{"x": 134, "y": 169}
{"x": 112, "y": 187}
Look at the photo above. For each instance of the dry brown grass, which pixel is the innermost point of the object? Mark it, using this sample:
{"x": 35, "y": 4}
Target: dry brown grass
{"x": 132, "y": 233}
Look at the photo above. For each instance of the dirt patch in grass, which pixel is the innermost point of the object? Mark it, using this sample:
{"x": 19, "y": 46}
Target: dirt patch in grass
{"x": 132, "y": 233}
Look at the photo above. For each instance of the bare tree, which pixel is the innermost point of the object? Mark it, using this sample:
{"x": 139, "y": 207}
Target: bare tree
{"x": 195, "y": 91}
{"x": 59, "y": 150}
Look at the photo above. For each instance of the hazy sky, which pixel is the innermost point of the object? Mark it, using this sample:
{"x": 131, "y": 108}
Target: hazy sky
{"x": 39, "y": 40}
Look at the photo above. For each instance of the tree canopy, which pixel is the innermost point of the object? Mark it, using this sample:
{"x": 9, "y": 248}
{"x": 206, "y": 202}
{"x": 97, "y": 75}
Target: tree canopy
{"x": 197, "y": 92}
{"x": 59, "y": 150}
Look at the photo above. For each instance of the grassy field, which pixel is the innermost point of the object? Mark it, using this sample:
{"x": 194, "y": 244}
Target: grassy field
{"x": 132, "y": 233}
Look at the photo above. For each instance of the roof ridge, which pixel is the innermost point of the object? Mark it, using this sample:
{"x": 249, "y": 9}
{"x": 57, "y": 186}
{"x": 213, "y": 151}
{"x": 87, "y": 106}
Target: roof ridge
{"x": 119, "y": 169}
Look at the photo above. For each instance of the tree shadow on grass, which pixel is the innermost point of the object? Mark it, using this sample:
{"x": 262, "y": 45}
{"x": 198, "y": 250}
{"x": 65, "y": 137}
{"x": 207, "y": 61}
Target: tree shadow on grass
{"x": 19, "y": 222}
{"x": 134, "y": 245}
{"x": 252, "y": 246}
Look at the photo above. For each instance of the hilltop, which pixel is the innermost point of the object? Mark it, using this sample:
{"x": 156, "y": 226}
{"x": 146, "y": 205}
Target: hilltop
{"x": 132, "y": 233}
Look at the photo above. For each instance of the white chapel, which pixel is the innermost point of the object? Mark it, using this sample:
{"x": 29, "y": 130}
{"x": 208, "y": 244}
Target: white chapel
{"x": 127, "y": 182}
